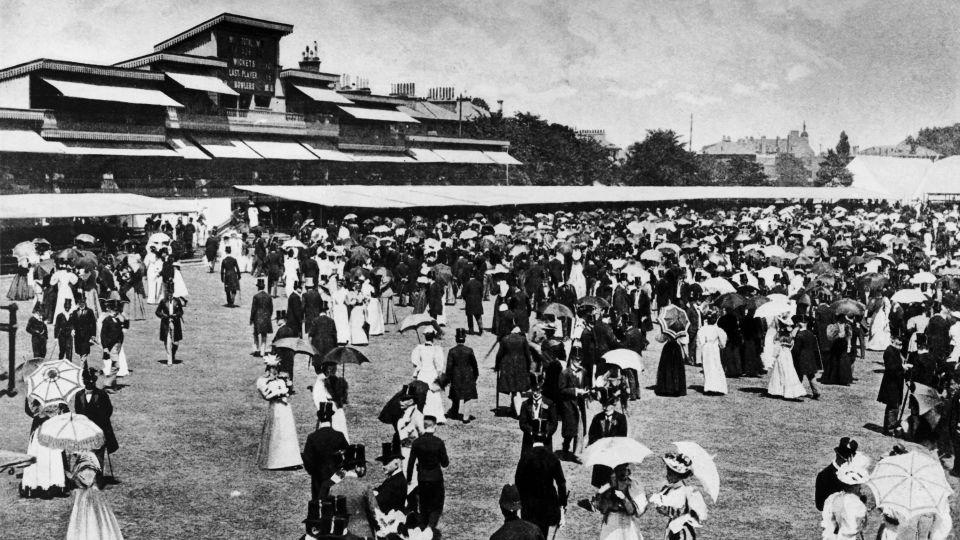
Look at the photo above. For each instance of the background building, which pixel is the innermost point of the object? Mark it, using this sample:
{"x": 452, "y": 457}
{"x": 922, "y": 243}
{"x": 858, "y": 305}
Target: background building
{"x": 765, "y": 150}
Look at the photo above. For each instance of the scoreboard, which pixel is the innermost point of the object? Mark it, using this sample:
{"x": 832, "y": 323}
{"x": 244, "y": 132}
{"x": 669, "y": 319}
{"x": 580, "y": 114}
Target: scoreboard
{"x": 251, "y": 61}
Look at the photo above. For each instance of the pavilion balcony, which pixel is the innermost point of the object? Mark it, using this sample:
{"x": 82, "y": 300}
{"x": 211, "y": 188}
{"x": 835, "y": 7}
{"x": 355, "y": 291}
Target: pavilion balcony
{"x": 255, "y": 121}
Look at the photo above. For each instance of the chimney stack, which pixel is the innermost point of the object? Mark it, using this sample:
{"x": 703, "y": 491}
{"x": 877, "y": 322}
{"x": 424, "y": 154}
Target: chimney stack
{"x": 310, "y": 60}
{"x": 403, "y": 90}
{"x": 441, "y": 93}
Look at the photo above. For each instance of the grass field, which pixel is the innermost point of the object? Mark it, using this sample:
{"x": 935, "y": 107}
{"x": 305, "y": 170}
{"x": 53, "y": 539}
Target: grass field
{"x": 189, "y": 433}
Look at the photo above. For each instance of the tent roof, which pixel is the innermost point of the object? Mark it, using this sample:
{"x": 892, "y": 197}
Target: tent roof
{"x": 942, "y": 177}
{"x": 67, "y": 205}
{"x": 897, "y": 178}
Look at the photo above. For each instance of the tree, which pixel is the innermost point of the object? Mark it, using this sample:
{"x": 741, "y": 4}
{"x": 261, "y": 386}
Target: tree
{"x": 480, "y": 102}
{"x": 746, "y": 172}
{"x": 833, "y": 169}
{"x": 791, "y": 171}
{"x": 661, "y": 160}
{"x": 945, "y": 140}
{"x": 843, "y": 145}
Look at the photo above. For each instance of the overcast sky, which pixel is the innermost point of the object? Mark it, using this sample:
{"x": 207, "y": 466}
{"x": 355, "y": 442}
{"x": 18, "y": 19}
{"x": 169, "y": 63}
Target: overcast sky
{"x": 878, "y": 69}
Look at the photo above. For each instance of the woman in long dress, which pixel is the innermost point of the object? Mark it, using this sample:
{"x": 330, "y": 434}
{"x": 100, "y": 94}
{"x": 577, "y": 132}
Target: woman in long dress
{"x": 45, "y": 478}
{"x": 374, "y": 309}
{"x": 880, "y": 326}
{"x": 671, "y": 377}
{"x": 341, "y": 318}
{"x": 429, "y": 362}
{"x": 577, "y": 278}
{"x": 91, "y": 516}
{"x": 329, "y": 388}
{"x": 358, "y": 317}
{"x": 784, "y": 381}
{"x": 64, "y": 280}
{"x": 21, "y": 288}
{"x": 769, "y": 354}
{"x": 621, "y": 505}
{"x": 711, "y": 339}
{"x": 291, "y": 271}
{"x": 279, "y": 445}
{"x": 683, "y": 505}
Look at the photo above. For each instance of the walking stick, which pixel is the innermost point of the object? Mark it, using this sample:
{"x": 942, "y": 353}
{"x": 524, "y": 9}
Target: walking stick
{"x": 113, "y": 474}
{"x": 496, "y": 406}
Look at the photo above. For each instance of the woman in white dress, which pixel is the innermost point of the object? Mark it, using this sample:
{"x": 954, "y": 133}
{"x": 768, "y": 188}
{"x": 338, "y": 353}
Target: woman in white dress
{"x": 329, "y": 388}
{"x": 64, "y": 279}
{"x": 409, "y": 427}
{"x": 338, "y": 309}
{"x": 429, "y": 363}
{"x": 784, "y": 381}
{"x": 768, "y": 356}
{"x": 358, "y": 317}
{"x": 844, "y": 514}
{"x": 621, "y": 502}
{"x": 682, "y": 504}
{"x": 279, "y": 444}
{"x": 91, "y": 516}
{"x": 577, "y": 279}
{"x": 880, "y": 325}
{"x": 45, "y": 478}
{"x": 711, "y": 339}
{"x": 374, "y": 311}
{"x": 291, "y": 271}
{"x": 154, "y": 265}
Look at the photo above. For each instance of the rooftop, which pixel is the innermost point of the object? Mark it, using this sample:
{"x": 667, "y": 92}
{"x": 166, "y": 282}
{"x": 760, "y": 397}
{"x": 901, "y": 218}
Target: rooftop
{"x": 228, "y": 18}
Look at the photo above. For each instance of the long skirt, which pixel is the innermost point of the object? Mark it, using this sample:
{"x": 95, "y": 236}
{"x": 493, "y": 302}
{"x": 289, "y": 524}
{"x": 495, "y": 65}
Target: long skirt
{"x": 769, "y": 354}
{"x": 279, "y": 445}
{"x": 714, "y": 380}
{"x": 358, "y": 336}
{"x": 92, "y": 517}
{"x": 342, "y": 321}
{"x": 619, "y": 526}
{"x": 751, "y": 357}
{"x": 20, "y": 289}
{"x": 730, "y": 357}
{"x": 671, "y": 377}
{"x": 434, "y": 406}
{"x": 375, "y": 317}
{"x": 45, "y": 478}
{"x": 784, "y": 381}
{"x": 879, "y": 332}
{"x": 839, "y": 370}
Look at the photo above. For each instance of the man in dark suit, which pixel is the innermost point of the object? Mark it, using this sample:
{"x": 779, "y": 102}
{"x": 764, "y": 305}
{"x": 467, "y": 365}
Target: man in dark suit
{"x": 473, "y": 303}
{"x": 210, "y": 249}
{"x": 621, "y": 303}
{"x": 541, "y": 483}
{"x": 285, "y": 355}
{"x": 38, "y": 332}
{"x": 827, "y": 481}
{"x": 435, "y": 292}
{"x": 274, "y": 269}
{"x": 230, "y": 276}
{"x": 111, "y": 336}
{"x": 513, "y": 366}
{"x": 63, "y": 331}
{"x": 309, "y": 269}
{"x": 311, "y": 303}
{"x": 571, "y": 408}
{"x": 295, "y": 308}
{"x": 537, "y": 408}
{"x": 607, "y": 423}
{"x": 461, "y": 374}
{"x": 513, "y": 527}
{"x": 891, "y": 385}
{"x": 261, "y": 309}
{"x": 391, "y": 494}
{"x": 94, "y": 403}
{"x": 323, "y": 336}
{"x": 84, "y": 323}
{"x": 322, "y": 451}
{"x": 430, "y": 456}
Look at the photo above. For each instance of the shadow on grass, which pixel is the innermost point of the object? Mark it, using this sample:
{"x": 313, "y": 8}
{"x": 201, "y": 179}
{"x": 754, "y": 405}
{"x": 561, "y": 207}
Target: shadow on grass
{"x": 870, "y": 426}
{"x": 176, "y": 361}
{"x": 502, "y": 412}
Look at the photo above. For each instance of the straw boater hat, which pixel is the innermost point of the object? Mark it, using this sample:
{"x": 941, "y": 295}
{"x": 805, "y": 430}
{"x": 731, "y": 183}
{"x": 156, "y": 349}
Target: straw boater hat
{"x": 678, "y": 463}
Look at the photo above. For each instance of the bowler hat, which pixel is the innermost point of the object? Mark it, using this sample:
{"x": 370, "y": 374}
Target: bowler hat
{"x": 461, "y": 335}
{"x": 388, "y": 453}
{"x": 324, "y": 411}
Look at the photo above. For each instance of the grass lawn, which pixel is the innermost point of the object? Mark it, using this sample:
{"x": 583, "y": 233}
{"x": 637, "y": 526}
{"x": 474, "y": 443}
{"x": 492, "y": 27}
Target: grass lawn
{"x": 188, "y": 440}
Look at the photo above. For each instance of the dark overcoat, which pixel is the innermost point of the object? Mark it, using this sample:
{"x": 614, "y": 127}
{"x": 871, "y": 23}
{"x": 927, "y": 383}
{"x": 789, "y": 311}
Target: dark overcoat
{"x": 513, "y": 364}
{"x": 462, "y": 372}
{"x": 261, "y": 312}
{"x": 98, "y": 409}
{"x": 891, "y": 385}
{"x": 542, "y": 486}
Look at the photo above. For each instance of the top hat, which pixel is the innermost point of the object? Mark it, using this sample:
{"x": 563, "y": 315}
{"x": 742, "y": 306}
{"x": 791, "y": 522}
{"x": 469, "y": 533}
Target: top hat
{"x": 536, "y": 381}
{"x": 606, "y": 396}
{"x": 847, "y": 447}
{"x": 313, "y": 513}
{"x": 461, "y": 335}
{"x": 407, "y": 392}
{"x": 388, "y": 453}
{"x": 281, "y": 314}
{"x": 261, "y": 282}
{"x": 510, "y": 498}
{"x": 324, "y": 411}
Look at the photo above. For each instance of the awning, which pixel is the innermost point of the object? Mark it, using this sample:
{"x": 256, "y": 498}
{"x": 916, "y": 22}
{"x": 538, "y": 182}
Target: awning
{"x": 204, "y": 83}
{"x": 139, "y": 150}
{"x": 187, "y": 150}
{"x": 502, "y": 158}
{"x": 67, "y": 205}
{"x": 424, "y": 155}
{"x": 121, "y": 94}
{"x": 382, "y": 158}
{"x": 464, "y": 156}
{"x": 225, "y": 148}
{"x": 382, "y": 115}
{"x": 323, "y": 95}
{"x": 23, "y": 140}
{"x": 280, "y": 149}
{"x": 326, "y": 154}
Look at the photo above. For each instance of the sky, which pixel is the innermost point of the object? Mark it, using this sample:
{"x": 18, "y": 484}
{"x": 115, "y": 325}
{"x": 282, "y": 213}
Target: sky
{"x": 878, "y": 69}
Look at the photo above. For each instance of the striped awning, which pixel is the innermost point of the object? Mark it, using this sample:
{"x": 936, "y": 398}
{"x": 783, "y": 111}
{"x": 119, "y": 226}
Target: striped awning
{"x": 227, "y": 148}
{"x": 119, "y": 94}
{"x": 79, "y": 148}
{"x": 280, "y": 149}
{"x": 381, "y": 115}
{"x": 204, "y": 83}
{"x": 326, "y": 154}
{"x": 464, "y": 156}
{"x": 424, "y": 155}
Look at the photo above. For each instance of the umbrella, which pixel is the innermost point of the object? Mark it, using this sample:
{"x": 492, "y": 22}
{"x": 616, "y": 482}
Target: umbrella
{"x": 431, "y": 244}
{"x": 379, "y": 229}
{"x": 501, "y": 229}
{"x": 71, "y": 432}
{"x": 731, "y": 300}
{"x": 774, "y": 309}
{"x": 822, "y": 267}
{"x": 597, "y": 303}
{"x": 293, "y": 243}
{"x": 704, "y": 468}
{"x": 558, "y": 310}
{"x": 873, "y": 281}
{"x": 25, "y": 250}
{"x": 54, "y": 381}
{"x": 625, "y": 358}
{"x": 417, "y": 320}
{"x": 635, "y": 227}
{"x": 927, "y": 398}
{"x": 386, "y": 276}
{"x": 613, "y": 451}
{"x": 949, "y": 271}
{"x": 846, "y": 306}
{"x": 909, "y": 296}
{"x": 350, "y": 216}
{"x": 773, "y": 251}
{"x": 468, "y": 234}
{"x": 651, "y": 255}
{"x": 11, "y": 461}
{"x": 264, "y": 208}
{"x": 717, "y": 285}
{"x": 923, "y": 277}
{"x": 667, "y": 246}
{"x": 911, "y": 484}
{"x": 85, "y": 238}
{"x": 518, "y": 249}
{"x": 297, "y": 345}
{"x": 673, "y": 321}
{"x": 158, "y": 239}
{"x": 345, "y": 355}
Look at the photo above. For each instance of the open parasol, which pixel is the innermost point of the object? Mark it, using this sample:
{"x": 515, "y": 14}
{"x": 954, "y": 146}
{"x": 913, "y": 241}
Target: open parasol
{"x": 651, "y": 255}
{"x": 625, "y": 358}
{"x": 731, "y": 300}
{"x": 54, "y": 381}
{"x": 501, "y": 229}
{"x": 909, "y": 296}
{"x": 85, "y": 238}
{"x": 775, "y": 309}
{"x": 558, "y": 310}
{"x": 293, "y": 243}
{"x": 673, "y": 321}
{"x": 613, "y": 451}
{"x": 846, "y": 306}
{"x": 704, "y": 468}
{"x": 593, "y": 301}
{"x": 468, "y": 234}
{"x": 345, "y": 355}
{"x": 71, "y": 432}
{"x": 669, "y": 246}
{"x": 911, "y": 484}
{"x": 773, "y": 251}
{"x": 717, "y": 285}
{"x": 297, "y": 345}
{"x": 26, "y": 251}
{"x": 417, "y": 320}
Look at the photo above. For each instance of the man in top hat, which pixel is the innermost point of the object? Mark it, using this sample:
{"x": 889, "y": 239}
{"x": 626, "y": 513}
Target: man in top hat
{"x": 513, "y": 527}
{"x": 607, "y": 423}
{"x": 827, "y": 481}
{"x": 537, "y": 407}
{"x": 230, "y": 276}
{"x": 323, "y": 335}
{"x": 312, "y": 303}
{"x": 94, "y": 403}
{"x": 333, "y": 389}
{"x": 322, "y": 451}
{"x": 170, "y": 313}
{"x": 435, "y": 293}
{"x": 429, "y": 455}
{"x": 348, "y": 493}
{"x": 261, "y": 308}
{"x": 461, "y": 374}
{"x": 513, "y": 365}
{"x": 473, "y": 303}
{"x": 554, "y": 356}
{"x": 111, "y": 335}
{"x": 391, "y": 494}
{"x": 541, "y": 483}
{"x": 210, "y": 249}
{"x": 285, "y": 355}
{"x": 84, "y": 323}
{"x": 892, "y": 383}
{"x": 571, "y": 405}
{"x": 38, "y": 332}
{"x": 295, "y": 308}
{"x": 620, "y": 299}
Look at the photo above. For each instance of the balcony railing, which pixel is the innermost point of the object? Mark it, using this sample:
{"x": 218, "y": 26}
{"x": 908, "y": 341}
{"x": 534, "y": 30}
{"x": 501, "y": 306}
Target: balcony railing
{"x": 256, "y": 121}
